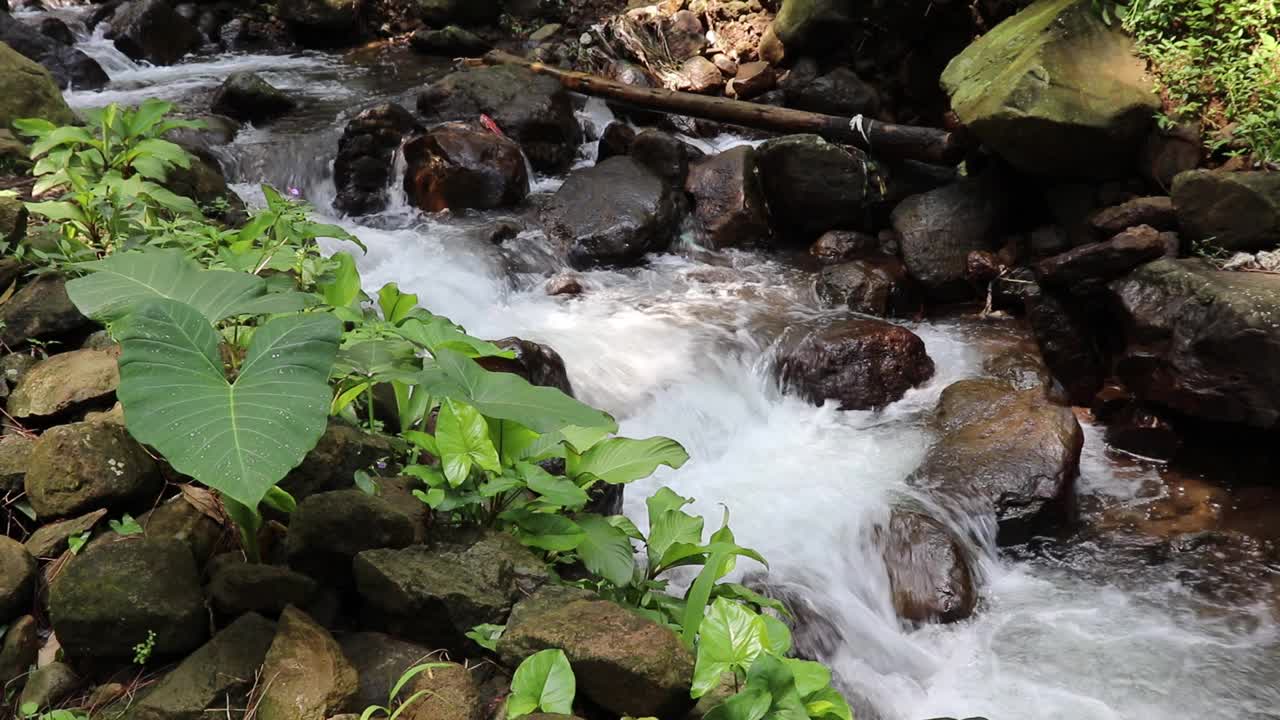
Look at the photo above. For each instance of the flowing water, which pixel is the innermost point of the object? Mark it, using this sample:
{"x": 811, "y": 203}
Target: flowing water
{"x": 1095, "y": 630}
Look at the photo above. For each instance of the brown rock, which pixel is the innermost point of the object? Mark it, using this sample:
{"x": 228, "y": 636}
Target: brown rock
{"x": 771, "y": 49}
{"x": 64, "y": 381}
{"x": 929, "y": 573}
{"x": 728, "y": 199}
{"x": 700, "y": 75}
{"x": 1143, "y": 432}
{"x": 305, "y": 674}
{"x": 564, "y": 283}
{"x": 456, "y": 167}
{"x": 839, "y": 246}
{"x": 15, "y": 456}
{"x": 1088, "y": 267}
{"x": 753, "y": 79}
{"x": 1154, "y": 211}
{"x": 19, "y": 651}
{"x": 861, "y": 363}
{"x": 17, "y": 579}
{"x": 873, "y": 285}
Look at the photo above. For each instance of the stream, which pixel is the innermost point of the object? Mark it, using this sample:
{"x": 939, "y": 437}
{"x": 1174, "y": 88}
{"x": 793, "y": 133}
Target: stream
{"x": 1091, "y": 630}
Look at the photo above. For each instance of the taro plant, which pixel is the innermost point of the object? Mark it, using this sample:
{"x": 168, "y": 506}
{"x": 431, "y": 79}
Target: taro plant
{"x": 544, "y": 682}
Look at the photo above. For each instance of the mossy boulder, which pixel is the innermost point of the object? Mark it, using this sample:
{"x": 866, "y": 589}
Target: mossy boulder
{"x": 15, "y": 456}
{"x": 111, "y": 597}
{"x": 813, "y": 24}
{"x": 29, "y": 91}
{"x": 17, "y": 579}
{"x": 1232, "y": 210}
{"x": 1055, "y": 91}
{"x": 310, "y": 678}
{"x": 86, "y": 466}
{"x": 64, "y": 382}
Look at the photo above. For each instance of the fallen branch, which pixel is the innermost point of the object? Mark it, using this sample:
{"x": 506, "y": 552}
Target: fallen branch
{"x": 910, "y": 142}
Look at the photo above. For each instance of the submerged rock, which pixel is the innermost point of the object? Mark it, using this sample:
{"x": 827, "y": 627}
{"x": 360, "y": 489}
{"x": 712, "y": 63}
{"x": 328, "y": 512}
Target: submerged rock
{"x": 456, "y": 167}
{"x": 860, "y": 363}
{"x": 929, "y": 570}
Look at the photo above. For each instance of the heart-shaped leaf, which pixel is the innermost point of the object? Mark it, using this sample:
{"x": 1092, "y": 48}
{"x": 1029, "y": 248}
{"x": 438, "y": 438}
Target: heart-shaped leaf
{"x": 544, "y": 681}
{"x": 618, "y": 461}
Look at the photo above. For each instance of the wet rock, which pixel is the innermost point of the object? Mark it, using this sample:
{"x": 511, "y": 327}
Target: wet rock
{"x": 1141, "y": 431}
{"x": 839, "y": 92}
{"x": 929, "y": 571}
{"x": 311, "y": 678}
{"x": 366, "y": 150}
{"x": 15, "y": 457}
{"x": 1202, "y": 342}
{"x": 379, "y": 661}
{"x": 151, "y": 30}
{"x": 1004, "y": 454}
{"x": 236, "y": 588}
{"x": 65, "y": 382}
{"x": 612, "y": 214}
{"x": 19, "y": 650}
{"x": 1020, "y": 367}
{"x": 328, "y": 529}
{"x": 51, "y": 47}
{"x": 860, "y": 363}
{"x": 1087, "y": 268}
{"x": 247, "y": 97}
{"x": 463, "y": 12}
{"x": 615, "y": 140}
{"x": 1048, "y": 240}
{"x": 220, "y": 673}
{"x": 1232, "y": 210}
{"x": 332, "y": 464}
{"x": 1156, "y": 212}
{"x": 17, "y": 579}
{"x": 811, "y": 185}
{"x": 111, "y": 597}
{"x": 436, "y": 595}
{"x": 55, "y": 29}
{"x": 838, "y": 246}
{"x": 321, "y": 23}
{"x": 728, "y": 200}
{"x": 1067, "y": 344}
{"x": 1021, "y": 90}
{"x": 565, "y": 283}
{"x": 534, "y": 110}
{"x": 252, "y": 35}
{"x": 86, "y": 466}
{"x": 752, "y": 80}
{"x": 451, "y": 41}
{"x": 699, "y": 75}
{"x": 48, "y": 686}
{"x": 538, "y": 363}
{"x": 50, "y": 540}
{"x": 872, "y": 285}
{"x": 626, "y": 664}
{"x": 664, "y": 155}
{"x": 456, "y": 167}
{"x": 939, "y": 229}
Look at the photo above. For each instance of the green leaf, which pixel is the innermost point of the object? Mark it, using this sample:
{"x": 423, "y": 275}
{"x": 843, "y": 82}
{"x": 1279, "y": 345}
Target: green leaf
{"x": 699, "y": 594}
{"x": 239, "y": 438}
{"x": 827, "y": 704}
{"x": 742, "y": 593}
{"x": 556, "y": 490}
{"x": 66, "y": 135}
{"x": 145, "y": 117}
{"x": 663, "y": 500}
{"x": 770, "y": 694}
{"x": 606, "y": 550}
{"x": 506, "y": 396}
{"x": 546, "y": 531}
{"x": 543, "y": 682}
{"x": 59, "y": 211}
{"x": 463, "y": 440}
{"x": 778, "y": 635}
{"x": 75, "y": 543}
{"x": 276, "y": 303}
{"x": 433, "y": 332}
{"x": 377, "y": 358}
{"x": 395, "y": 305}
{"x": 125, "y": 526}
{"x": 343, "y": 289}
{"x": 486, "y": 635}
{"x": 365, "y": 483}
{"x": 671, "y": 529}
{"x": 730, "y": 640}
{"x": 280, "y": 500}
{"x": 618, "y": 461}
{"x": 810, "y": 677}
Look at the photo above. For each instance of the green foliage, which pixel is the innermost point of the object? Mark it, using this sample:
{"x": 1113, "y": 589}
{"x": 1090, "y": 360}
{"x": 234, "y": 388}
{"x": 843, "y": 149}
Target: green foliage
{"x": 142, "y": 651}
{"x": 544, "y": 682}
{"x": 486, "y": 635}
{"x": 31, "y": 711}
{"x": 76, "y": 543}
{"x": 394, "y": 708}
{"x": 125, "y": 526}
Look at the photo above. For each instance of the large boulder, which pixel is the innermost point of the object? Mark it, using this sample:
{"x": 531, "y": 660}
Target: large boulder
{"x": 612, "y": 214}
{"x": 152, "y": 30}
{"x": 728, "y": 200}
{"x": 1087, "y": 268}
{"x": 321, "y": 23}
{"x": 65, "y": 382}
{"x": 534, "y": 110}
{"x": 366, "y": 152}
{"x": 29, "y": 91}
{"x": 68, "y": 66}
{"x": 812, "y": 185}
{"x": 930, "y": 575}
{"x": 17, "y": 579}
{"x": 1024, "y": 90}
{"x": 625, "y": 663}
{"x": 309, "y": 677}
{"x": 1005, "y": 456}
{"x": 1233, "y": 210}
{"x": 88, "y": 465}
{"x": 111, "y": 598}
{"x": 222, "y": 671}
{"x": 1201, "y": 341}
{"x": 328, "y": 529}
{"x": 457, "y": 167}
{"x": 860, "y": 363}
{"x": 439, "y": 13}
{"x": 874, "y": 285}
{"x": 813, "y": 25}
{"x": 246, "y": 96}
{"x": 938, "y": 229}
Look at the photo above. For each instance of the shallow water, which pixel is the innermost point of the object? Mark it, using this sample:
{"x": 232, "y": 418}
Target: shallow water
{"x": 681, "y": 347}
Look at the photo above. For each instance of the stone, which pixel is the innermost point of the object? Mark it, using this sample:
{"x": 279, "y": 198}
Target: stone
{"x": 1088, "y": 268}
{"x": 1200, "y": 341}
{"x": 333, "y": 462}
{"x": 175, "y": 519}
{"x": 752, "y": 80}
{"x": 1019, "y": 366}
{"x": 13, "y": 227}
{"x": 86, "y": 466}
{"x": 236, "y": 588}
{"x": 664, "y": 155}
{"x": 439, "y": 13}
{"x": 813, "y": 25}
{"x": 1006, "y": 455}
{"x": 436, "y": 595}
{"x": 64, "y": 383}
{"x": 938, "y": 229}
{"x": 328, "y": 529}
{"x": 15, "y": 457}
{"x": 538, "y": 363}
{"x": 452, "y": 693}
{"x": 700, "y": 75}
{"x": 205, "y": 183}
{"x": 112, "y": 597}
{"x": 49, "y": 685}
{"x": 812, "y": 186}
{"x": 50, "y": 540}
{"x": 29, "y": 91}
{"x": 545, "y": 33}
{"x": 1238, "y": 211}
{"x": 1156, "y": 212}
{"x": 308, "y": 676}
{"x": 612, "y": 214}
{"x": 1168, "y": 153}
{"x": 366, "y": 151}
{"x": 455, "y": 167}
{"x": 565, "y": 283}
{"x": 534, "y": 110}
{"x": 1067, "y": 344}
{"x": 379, "y": 661}
{"x": 930, "y": 575}
{"x": 684, "y": 34}
{"x": 321, "y": 23}
{"x": 19, "y": 650}
{"x": 151, "y": 30}
{"x": 250, "y": 34}
{"x": 1022, "y": 90}
{"x": 219, "y": 674}
{"x": 839, "y": 92}
{"x": 52, "y": 49}
{"x": 615, "y": 140}
{"x": 17, "y": 579}
{"x": 873, "y": 285}
{"x": 625, "y": 663}
{"x": 1143, "y": 432}
{"x": 728, "y": 199}
{"x": 451, "y": 41}
{"x": 245, "y": 96}
{"x": 838, "y": 246}
{"x": 860, "y": 363}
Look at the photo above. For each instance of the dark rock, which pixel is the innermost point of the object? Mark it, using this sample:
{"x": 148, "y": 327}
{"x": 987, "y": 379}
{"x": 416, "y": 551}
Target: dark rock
{"x": 728, "y": 200}
{"x": 861, "y": 363}
{"x": 64, "y": 382}
{"x": 872, "y": 285}
{"x": 451, "y": 41}
{"x": 39, "y": 310}
{"x": 981, "y": 267}
{"x": 48, "y": 686}
{"x": 236, "y": 588}
{"x": 1110, "y": 401}
{"x": 150, "y": 30}
{"x": 328, "y": 529}
{"x": 310, "y": 677}
{"x": 246, "y": 96}
{"x": 838, "y": 246}
{"x": 929, "y": 572}
{"x": 111, "y": 597}
{"x": 625, "y": 663}
{"x": 839, "y": 92}
{"x": 220, "y": 673}
{"x": 612, "y": 214}
{"x": 615, "y": 140}
{"x": 539, "y": 364}
{"x": 939, "y": 229}
{"x": 1067, "y": 344}
{"x": 366, "y": 150}
{"x": 379, "y": 661}
{"x": 250, "y": 34}
{"x": 809, "y": 25}
{"x": 218, "y": 130}
{"x": 1086, "y": 268}
{"x": 19, "y": 651}
{"x": 664, "y": 155}
{"x": 534, "y": 110}
{"x": 1048, "y": 240}
{"x": 17, "y": 579}
{"x": 55, "y": 29}
{"x": 1237, "y": 211}
{"x": 456, "y": 167}
{"x": 1141, "y": 431}
{"x": 1166, "y": 154}
{"x": 1154, "y": 211}
{"x": 205, "y": 183}
{"x": 463, "y": 12}
{"x": 333, "y": 463}
{"x": 1020, "y": 367}
{"x": 85, "y": 466}
{"x": 15, "y": 457}
{"x": 321, "y": 23}
{"x": 52, "y": 48}
{"x": 811, "y": 185}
